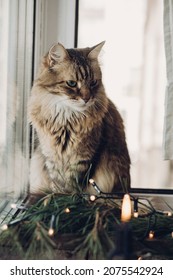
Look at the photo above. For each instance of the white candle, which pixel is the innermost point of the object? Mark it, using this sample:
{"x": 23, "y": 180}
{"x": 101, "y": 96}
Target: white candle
{"x": 126, "y": 211}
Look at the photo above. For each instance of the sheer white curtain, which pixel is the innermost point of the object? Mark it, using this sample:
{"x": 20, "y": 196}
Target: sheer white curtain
{"x": 16, "y": 40}
{"x": 168, "y": 121}
{"x": 27, "y": 29}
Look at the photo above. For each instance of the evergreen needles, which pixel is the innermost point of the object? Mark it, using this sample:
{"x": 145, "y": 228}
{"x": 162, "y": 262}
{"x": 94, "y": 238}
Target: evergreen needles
{"x": 85, "y": 229}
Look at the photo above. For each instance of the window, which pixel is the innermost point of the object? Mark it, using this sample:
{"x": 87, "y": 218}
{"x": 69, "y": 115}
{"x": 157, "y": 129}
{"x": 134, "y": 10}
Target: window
{"x": 134, "y": 76}
{"x": 27, "y": 29}
{"x": 133, "y": 72}
{"x": 16, "y": 40}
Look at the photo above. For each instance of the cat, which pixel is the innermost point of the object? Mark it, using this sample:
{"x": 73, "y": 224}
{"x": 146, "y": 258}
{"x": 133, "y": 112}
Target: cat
{"x": 80, "y": 132}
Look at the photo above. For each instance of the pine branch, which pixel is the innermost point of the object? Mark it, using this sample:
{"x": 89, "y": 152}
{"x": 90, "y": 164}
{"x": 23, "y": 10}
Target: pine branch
{"x": 89, "y": 228}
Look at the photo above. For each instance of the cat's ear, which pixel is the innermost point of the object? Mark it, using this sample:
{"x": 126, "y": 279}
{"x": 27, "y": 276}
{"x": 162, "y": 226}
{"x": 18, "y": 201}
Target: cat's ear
{"x": 94, "y": 52}
{"x": 57, "y": 54}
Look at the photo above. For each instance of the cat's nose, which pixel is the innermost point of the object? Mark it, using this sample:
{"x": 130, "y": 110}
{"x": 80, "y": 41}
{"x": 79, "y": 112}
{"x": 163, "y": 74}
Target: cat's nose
{"x": 85, "y": 95}
{"x": 86, "y": 99}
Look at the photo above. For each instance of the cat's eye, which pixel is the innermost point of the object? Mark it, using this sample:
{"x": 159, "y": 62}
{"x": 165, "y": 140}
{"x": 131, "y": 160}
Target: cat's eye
{"x": 71, "y": 83}
{"x": 93, "y": 83}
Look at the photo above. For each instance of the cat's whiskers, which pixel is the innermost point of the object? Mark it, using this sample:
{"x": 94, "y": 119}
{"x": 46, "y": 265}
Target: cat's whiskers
{"x": 76, "y": 125}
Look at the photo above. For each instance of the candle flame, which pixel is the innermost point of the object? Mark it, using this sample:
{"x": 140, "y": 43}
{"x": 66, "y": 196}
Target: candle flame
{"x": 126, "y": 211}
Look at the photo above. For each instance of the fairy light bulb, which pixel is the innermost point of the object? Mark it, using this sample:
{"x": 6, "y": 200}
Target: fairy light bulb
{"x": 14, "y": 206}
{"x": 126, "y": 211}
{"x": 151, "y": 234}
{"x": 67, "y": 210}
{"x": 92, "y": 197}
{"x": 4, "y": 227}
{"x": 19, "y": 207}
{"x": 45, "y": 202}
{"x": 135, "y": 213}
{"x": 92, "y": 182}
{"x": 51, "y": 232}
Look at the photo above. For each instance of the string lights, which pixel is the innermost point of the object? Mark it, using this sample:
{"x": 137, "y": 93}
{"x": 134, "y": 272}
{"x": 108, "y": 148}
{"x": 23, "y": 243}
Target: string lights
{"x": 19, "y": 207}
{"x": 168, "y": 213}
{"x": 135, "y": 213}
{"x": 51, "y": 229}
{"x": 146, "y": 211}
{"x": 127, "y": 218}
{"x": 67, "y": 210}
{"x": 92, "y": 182}
{"x": 151, "y": 234}
{"x": 92, "y": 197}
{"x": 4, "y": 227}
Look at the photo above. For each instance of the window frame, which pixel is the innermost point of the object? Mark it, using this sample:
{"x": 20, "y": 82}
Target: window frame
{"x": 144, "y": 190}
{"x": 41, "y": 35}
{"x": 34, "y": 31}
{"x": 18, "y": 61}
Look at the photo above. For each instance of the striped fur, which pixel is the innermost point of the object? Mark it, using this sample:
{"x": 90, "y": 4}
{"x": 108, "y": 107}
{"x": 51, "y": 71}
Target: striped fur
{"x": 80, "y": 132}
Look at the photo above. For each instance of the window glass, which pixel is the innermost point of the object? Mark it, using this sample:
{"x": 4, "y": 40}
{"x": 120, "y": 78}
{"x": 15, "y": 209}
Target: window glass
{"x": 133, "y": 65}
{"x": 28, "y": 29}
{"x": 16, "y": 38}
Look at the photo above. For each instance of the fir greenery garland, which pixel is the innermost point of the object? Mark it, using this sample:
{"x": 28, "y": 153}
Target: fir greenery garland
{"x": 87, "y": 228}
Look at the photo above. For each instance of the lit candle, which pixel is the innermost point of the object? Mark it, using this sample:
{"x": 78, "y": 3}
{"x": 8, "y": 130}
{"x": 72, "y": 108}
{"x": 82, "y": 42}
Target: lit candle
{"x": 126, "y": 211}
{"x": 123, "y": 248}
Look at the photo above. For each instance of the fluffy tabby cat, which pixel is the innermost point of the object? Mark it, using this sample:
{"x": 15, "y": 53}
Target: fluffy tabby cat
{"x": 80, "y": 132}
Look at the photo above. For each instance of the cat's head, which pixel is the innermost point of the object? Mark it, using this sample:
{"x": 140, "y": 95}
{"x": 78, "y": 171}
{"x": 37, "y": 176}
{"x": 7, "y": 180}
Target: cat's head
{"x": 73, "y": 74}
